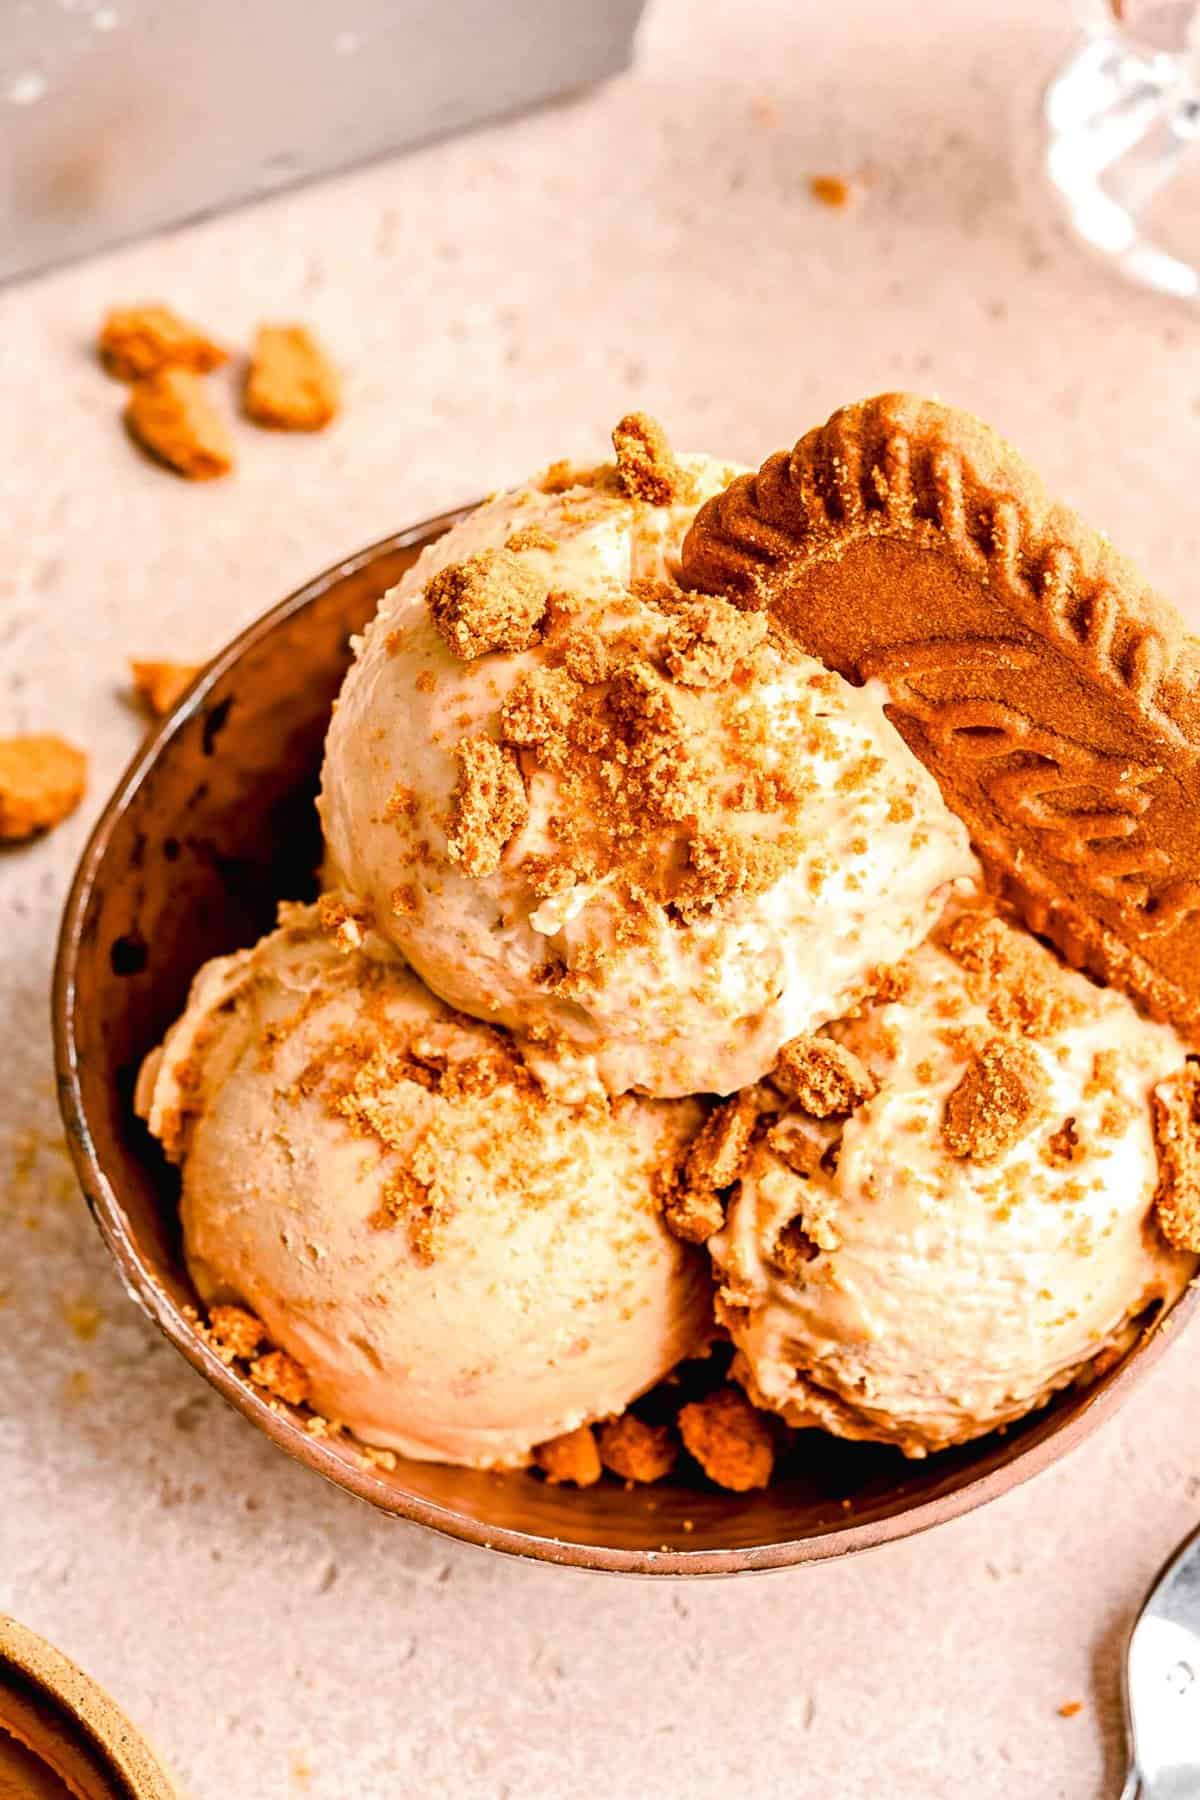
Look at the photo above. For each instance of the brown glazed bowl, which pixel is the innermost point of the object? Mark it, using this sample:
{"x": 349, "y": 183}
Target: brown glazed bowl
{"x": 212, "y": 825}
{"x": 61, "y": 1737}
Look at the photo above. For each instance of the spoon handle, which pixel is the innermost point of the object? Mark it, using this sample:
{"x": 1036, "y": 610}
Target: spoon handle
{"x": 1133, "y": 1785}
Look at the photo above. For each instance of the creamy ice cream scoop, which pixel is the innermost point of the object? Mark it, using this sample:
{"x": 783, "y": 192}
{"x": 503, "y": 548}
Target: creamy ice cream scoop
{"x": 463, "y": 1267}
{"x": 617, "y": 818}
{"x": 950, "y": 1210}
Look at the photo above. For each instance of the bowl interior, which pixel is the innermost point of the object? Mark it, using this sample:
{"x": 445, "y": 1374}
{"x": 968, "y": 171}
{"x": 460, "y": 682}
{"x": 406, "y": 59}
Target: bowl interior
{"x": 214, "y": 824}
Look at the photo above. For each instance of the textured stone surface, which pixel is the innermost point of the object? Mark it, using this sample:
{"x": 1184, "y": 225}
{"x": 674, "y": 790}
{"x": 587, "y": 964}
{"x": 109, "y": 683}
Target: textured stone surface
{"x": 494, "y": 301}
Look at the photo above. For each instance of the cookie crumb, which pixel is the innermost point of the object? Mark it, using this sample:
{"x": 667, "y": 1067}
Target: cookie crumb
{"x": 347, "y": 922}
{"x": 136, "y": 341}
{"x": 822, "y": 1077}
{"x": 159, "y": 684}
{"x": 572, "y": 1458}
{"x": 42, "y": 781}
{"x": 709, "y": 640}
{"x": 236, "y": 1330}
{"x": 646, "y": 465}
{"x": 637, "y": 1451}
{"x": 281, "y": 1375}
{"x": 1064, "y": 1146}
{"x": 720, "y": 1148}
{"x": 730, "y": 1439}
{"x": 489, "y": 807}
{"x": 995, "y": 1103}
{"x": 832, "y": 190}
{"x": 1070, "y": 1708}
{"x": 692, "y": 1215}
{"x": 490, "y": 601}
{"x": 172, "y": 416}
{"x": 1177, "y": 1133}
{"x": 291, "y": 385}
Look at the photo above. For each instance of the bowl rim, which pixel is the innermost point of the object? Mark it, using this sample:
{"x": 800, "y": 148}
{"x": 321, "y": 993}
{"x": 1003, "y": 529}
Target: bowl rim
{"x": 1098, "y": 1404}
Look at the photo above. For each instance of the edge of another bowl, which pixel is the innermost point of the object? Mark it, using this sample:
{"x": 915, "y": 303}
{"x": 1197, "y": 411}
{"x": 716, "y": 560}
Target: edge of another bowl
{"x": 1053, "y": 1436}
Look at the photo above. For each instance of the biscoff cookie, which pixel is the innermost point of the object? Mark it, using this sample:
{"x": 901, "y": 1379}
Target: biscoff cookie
{"x": 1052, "y": 693}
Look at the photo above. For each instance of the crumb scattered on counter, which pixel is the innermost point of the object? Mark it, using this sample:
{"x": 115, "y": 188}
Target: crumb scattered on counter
{"x": 1070, "y": 1708}
{"x": 171, "y": 415}
{"x": 159, "y": 684}
{"x": 635, "y": 1450}
{"x": 832, "y": 190}
{"x": 291, "y": 385}
{"x": 730, "y": 1439}
{"x": 572, "y": 1458}
{"x": 136, "y": 341}
{"x": 83, "y": 1318}
{"x": 42, "y": 780}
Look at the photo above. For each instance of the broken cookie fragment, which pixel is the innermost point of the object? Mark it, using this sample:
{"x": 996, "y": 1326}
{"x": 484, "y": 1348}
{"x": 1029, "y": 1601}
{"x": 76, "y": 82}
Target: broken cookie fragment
{"x": 291, "y": 385}
{"x": 42, "y": 780}
{"x": 709, "y": 641}
{"x": 491, "y": 601}
{"x": 490, "y": 805}
{"x": 998, "y": 1099}
{"x": 692, "y": 1205}
{"x": 823, "y": 1077}
{"x": 136, "y": 341}
{"x": 160, "y": 684}
{"x": 235, "y": 1330}
{"x": 636, "y": 1450}
{"x": 171, "y": 415}
{"x": 572, "y": 1458}
{"x": 1177, "y": 1133}
{"x": 731, "y": 1440}
{"x": 281, "y": 1375}
{"x": 646, "y": 465}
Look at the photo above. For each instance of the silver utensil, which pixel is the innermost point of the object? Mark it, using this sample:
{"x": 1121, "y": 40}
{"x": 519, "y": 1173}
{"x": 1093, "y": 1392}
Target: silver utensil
{"x": 1162, "y": 1684}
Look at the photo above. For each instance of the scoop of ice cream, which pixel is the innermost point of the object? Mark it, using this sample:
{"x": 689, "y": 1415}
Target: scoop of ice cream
{"x": 955, "y": 1212}
{"x": 615, "y": 817}
{"x": 463, "y": 1267}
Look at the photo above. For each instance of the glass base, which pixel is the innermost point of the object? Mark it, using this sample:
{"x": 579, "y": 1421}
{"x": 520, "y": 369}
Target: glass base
{"x": 1119, "y": 127}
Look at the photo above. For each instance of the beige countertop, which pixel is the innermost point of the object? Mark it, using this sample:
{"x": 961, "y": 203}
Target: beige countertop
{"x": 495, "y": 301}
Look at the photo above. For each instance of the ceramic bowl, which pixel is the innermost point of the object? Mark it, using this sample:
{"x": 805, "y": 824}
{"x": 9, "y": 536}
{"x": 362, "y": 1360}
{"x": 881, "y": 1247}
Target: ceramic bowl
{"x": 213, "y": 824}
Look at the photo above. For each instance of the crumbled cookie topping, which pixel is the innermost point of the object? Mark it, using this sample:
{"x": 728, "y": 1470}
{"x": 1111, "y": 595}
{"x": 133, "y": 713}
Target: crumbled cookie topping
{"x": 731, "y": 1440}
{"x": 1177, "y": 1131}
{"x": 646, "y": 465}
{"x": 235, "y": 1330}
{"x": 635, "y": 1450}
{"x": 720, "y": 1148}
{"x": 489, "y": 806}
{"x": 823, "y": 1077}
{"x": 346, "y": 921}
{"x": 281, "y": 1375}
{"x": 572, "y": 1458}
{"x": 490, "y": 601}
{"x": 996, "y": 1102}
{"x": 1023, "y": 987}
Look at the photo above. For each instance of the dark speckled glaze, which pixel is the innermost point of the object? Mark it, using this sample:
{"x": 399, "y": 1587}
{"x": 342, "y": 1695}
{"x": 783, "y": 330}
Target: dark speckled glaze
{"x": 212, "y": 825}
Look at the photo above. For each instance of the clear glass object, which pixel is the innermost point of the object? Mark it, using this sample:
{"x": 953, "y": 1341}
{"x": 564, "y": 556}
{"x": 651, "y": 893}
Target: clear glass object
{"x": 1119, "y": 140}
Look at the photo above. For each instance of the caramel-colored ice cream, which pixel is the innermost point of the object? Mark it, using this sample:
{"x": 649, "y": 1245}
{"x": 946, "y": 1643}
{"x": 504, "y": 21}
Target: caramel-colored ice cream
{"x": 617, "y": 818}
{"x": 955, "y": 1213}
{"x": 462, "y": 1267}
